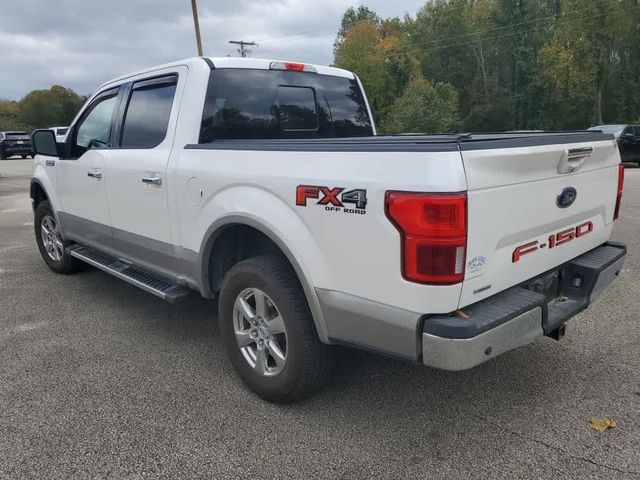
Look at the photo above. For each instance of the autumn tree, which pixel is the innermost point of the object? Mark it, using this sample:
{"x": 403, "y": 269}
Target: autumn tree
{"x": 349, "y": 20}
{"x": 379, "y": 53}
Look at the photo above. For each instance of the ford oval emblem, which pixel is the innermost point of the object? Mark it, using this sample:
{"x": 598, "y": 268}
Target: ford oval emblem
{"x": 566, "y": 197}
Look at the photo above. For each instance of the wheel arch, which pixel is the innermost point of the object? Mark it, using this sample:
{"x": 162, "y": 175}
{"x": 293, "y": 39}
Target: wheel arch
{"x": 37, "y": 192}
{"x": 209, "y": 247}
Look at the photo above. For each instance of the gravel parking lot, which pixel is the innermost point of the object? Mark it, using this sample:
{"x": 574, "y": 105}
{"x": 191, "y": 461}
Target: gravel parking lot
{"x": 100, "y": 379}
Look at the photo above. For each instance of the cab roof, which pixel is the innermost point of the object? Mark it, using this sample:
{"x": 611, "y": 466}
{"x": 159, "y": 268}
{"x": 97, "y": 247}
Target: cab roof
{"x": 265, "y": 63}
{"x": 231, "y": 62}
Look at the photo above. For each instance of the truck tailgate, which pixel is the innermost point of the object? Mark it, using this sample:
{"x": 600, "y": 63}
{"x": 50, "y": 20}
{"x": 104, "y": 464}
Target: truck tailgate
{"x": 521, "y": 217}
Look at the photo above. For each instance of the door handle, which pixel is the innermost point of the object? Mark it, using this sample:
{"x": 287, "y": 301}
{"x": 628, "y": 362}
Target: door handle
{"x": 573, "y": 159}
{"x": 50, "y": 163}
{"x": 152, "y": 180}
{"x": 95, "y": 173}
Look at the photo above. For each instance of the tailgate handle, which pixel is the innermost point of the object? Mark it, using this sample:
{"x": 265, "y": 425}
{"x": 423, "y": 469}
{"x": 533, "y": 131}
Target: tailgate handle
{"x": 573, "y": 159}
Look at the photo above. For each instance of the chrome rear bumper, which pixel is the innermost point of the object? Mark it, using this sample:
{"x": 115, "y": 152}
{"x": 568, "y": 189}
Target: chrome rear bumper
{"x": 465, "y": 353}
{"x": 520, "y": 315}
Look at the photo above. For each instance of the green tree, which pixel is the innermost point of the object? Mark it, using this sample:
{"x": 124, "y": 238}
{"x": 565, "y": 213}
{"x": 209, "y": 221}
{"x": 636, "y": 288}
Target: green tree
{"x": 591, "y": 65}
{"x": 486, "y": 49}
{"x": 515, "y": 64}
{"x": 440, "y": 34}
{"x": 382, "y": 59}
{"x": 9, "y": 116}
{"x": 48, "y": 108}
{"x": 424, "y": 108}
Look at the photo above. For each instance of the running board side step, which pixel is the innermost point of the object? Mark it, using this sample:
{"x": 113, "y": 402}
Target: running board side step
{"x": 150, "y": 282}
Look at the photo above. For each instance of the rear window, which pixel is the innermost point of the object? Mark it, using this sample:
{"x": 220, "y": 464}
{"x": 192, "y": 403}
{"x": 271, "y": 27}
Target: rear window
{"x": 264, "y": 104}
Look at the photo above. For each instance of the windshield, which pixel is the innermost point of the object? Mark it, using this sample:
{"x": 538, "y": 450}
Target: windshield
{"x": 615, "y": 130}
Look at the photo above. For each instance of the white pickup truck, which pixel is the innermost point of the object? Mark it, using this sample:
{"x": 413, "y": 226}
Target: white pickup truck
{"x": 262, "y": 184}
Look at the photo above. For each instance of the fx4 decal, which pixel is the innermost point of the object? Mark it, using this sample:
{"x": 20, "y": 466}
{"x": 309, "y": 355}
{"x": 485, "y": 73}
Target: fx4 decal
{"x": 333, "y": 199}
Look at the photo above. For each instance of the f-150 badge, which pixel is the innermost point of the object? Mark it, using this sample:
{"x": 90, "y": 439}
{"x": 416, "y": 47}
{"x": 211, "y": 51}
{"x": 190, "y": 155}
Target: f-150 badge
{"x": 554, "y": 240}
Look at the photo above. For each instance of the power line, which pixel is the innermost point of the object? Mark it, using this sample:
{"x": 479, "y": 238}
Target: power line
{"x": 479, "y": 32}
{"x": 471, "y": 42}
{"x": 511, "y": 25}
{"x": 242, "y": 50}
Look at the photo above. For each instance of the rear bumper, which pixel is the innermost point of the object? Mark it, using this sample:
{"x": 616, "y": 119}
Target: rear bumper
{"x": 17, "y": 150}
{"x": 520, "y": 315}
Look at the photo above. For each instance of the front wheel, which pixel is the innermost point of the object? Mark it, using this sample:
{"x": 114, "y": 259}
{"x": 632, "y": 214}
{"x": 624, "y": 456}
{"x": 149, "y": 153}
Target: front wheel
{"x": 23, "y": 156}
{"x": 268, "y": 331}
{"x": 50, "y": 243}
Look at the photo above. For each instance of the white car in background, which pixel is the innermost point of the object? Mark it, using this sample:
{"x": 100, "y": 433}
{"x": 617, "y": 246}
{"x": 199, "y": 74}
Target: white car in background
{"x": 60, "y": 132}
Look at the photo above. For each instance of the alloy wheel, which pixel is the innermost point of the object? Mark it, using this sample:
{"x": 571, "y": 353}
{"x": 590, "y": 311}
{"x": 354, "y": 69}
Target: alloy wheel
{"x": 51, "y": 238}
{"x": 260, "y": 332}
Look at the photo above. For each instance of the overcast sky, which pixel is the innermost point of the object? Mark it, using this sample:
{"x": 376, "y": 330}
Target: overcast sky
{"x": 82, "y": 43}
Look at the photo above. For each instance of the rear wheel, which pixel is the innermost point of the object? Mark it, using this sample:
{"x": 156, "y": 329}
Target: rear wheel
{"x": 23, "y": 156}
{"x": 50, "y": 243}
{"x": 268, "y": 331}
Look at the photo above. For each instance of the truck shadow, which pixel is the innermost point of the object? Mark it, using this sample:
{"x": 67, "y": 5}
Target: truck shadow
{"x": 370, "y": 394}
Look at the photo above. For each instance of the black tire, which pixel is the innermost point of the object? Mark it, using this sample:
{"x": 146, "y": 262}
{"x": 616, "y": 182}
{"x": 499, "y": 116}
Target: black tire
{"x": 308, "y": 361}
{"x": 23, "y": 156}
{"x": 3, "y": 156}
{"x": 66, "y": 264}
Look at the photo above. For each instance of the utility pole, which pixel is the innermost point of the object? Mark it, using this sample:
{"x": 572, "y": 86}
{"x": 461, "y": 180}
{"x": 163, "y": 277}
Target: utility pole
{"x": 243, "y": 51}
{"x": 196, "y": 24}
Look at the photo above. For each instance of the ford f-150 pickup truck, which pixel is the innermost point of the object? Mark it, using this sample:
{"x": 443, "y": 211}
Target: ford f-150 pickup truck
{"x": 263, "y": 184}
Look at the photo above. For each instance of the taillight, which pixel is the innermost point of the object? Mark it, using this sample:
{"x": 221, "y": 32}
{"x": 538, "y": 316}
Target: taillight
{"x": 433, "y": 231}
{"x": 616, "y": 212}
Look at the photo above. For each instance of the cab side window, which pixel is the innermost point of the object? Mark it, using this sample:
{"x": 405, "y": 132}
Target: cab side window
{"x": 147, "y": 116}
{"x": 95, "y": 126}
{"x": 94, "y": 129}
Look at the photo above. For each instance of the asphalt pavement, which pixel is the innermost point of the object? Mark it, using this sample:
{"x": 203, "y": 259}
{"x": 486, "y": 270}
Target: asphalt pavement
{"x": 99, "y": 379}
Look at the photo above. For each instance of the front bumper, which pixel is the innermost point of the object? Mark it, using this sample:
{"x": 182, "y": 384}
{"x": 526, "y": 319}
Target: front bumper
{"x": 520, "y": 315}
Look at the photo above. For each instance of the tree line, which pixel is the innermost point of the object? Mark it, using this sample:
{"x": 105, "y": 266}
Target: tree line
{"x": 465, "y": 65}
{"x": 54, "y": 107}
{"x": 495, "y": 65}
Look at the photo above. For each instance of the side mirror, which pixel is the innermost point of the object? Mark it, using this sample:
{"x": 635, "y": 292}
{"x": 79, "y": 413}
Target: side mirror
{"x": 44, "y": 143}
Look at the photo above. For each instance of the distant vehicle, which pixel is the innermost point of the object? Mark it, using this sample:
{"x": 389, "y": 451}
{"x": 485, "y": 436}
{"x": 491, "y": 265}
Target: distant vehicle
{"x": 628, "y": 138}
{"x": 15, "y": 143}
{"x": 61, "y": 133}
